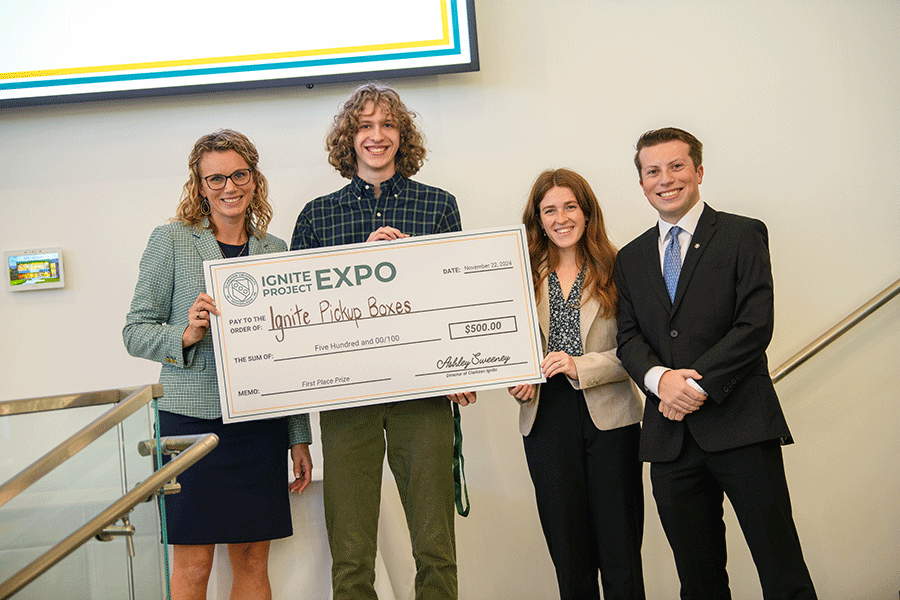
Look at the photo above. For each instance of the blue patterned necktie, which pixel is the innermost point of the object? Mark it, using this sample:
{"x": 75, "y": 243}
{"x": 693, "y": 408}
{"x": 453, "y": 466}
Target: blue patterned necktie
{"x": 672, "y": 263}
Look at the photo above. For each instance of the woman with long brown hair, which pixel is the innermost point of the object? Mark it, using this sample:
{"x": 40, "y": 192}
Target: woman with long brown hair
{"x": 581, "y": 428}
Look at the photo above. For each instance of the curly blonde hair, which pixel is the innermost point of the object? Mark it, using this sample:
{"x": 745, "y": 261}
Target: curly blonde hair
{"x": 594, "y": 246}
{"x": 193, "y": 208}
{"x": 341, "y": 154}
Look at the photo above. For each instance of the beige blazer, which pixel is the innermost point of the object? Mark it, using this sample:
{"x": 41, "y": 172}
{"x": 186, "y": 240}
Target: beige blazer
{"x": 612, "y": 399}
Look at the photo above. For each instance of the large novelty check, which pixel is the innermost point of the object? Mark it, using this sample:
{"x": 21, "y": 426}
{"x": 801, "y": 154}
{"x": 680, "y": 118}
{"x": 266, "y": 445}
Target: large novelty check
{"x": 345, "y": 326}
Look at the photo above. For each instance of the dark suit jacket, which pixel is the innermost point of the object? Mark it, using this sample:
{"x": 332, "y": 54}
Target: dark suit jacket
{"x": 719, "y": 324}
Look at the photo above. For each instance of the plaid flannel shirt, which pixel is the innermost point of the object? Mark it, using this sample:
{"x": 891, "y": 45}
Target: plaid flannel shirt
{"x": 350, "y": 214}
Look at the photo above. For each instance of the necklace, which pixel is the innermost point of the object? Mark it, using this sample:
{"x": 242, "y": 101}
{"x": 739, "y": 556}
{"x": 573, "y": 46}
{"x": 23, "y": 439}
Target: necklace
{"x": 574, "y": 299}
{"x": 232, "y": 250}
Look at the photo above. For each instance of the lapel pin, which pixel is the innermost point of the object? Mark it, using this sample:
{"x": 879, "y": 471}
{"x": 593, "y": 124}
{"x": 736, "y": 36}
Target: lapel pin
{"x": 696, "y": 245}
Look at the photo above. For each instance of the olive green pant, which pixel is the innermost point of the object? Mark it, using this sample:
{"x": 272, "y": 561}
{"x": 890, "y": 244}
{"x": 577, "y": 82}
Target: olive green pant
{"x": 419, "y": 439}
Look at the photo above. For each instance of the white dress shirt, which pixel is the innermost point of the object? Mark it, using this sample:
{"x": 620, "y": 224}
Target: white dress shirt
{"x": 688, "y": 224}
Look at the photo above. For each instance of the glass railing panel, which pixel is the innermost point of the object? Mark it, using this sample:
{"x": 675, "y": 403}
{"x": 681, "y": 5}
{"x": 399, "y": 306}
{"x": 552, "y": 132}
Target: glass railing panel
{"x": 148, "y": 570}
{"x": 70, "y": 496}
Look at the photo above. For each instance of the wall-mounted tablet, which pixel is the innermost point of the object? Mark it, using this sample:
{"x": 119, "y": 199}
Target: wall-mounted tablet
{"x": 35, "y": 269}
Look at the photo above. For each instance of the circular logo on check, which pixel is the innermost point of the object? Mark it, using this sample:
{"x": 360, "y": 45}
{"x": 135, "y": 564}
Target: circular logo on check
{"x": 240, "y": 289}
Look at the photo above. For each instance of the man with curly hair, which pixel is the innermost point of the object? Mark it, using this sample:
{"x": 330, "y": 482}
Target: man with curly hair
{"x": 375, "y": 143}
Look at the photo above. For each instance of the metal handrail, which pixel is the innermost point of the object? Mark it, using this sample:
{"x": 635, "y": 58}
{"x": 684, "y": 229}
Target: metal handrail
{"x": 135, "y": 399}
{"x": 172, "y": 444}
{"x": 45, "y": 403}
{"x": 202, "y": 445}
{"x": 837, "y": 331}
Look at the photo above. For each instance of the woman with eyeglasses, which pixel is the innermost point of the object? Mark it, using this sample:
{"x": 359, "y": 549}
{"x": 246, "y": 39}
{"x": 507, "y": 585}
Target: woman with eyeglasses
{"x": 237, "y": 494}
{"x": 581, "y": 428}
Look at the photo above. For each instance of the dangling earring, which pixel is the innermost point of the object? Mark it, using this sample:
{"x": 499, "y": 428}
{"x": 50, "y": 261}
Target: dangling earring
{"x": 204, "y": 207}
{"x": 253, "y": 201}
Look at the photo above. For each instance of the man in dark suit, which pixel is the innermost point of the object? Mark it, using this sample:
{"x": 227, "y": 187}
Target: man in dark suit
{"x": 695, "y": 318}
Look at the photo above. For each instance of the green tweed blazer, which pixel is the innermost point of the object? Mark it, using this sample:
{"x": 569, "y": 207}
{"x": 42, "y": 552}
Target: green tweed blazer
{"x": 170, "y": 279}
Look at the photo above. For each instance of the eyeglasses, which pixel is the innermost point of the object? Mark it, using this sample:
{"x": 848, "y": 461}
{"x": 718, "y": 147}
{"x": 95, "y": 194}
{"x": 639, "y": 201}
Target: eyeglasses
{"x": 239, "y": 177}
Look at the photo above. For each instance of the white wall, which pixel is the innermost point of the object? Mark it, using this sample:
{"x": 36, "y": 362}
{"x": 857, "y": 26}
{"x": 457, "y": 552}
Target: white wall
{"x": 797, "y": 105}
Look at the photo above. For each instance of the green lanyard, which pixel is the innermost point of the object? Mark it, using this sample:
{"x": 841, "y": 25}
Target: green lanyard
{"x": 459, "y": 464}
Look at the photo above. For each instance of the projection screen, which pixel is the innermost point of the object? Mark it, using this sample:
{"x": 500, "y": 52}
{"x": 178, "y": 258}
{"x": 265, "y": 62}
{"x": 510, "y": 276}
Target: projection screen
{"x": 53, "y": 51}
